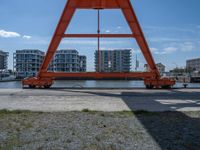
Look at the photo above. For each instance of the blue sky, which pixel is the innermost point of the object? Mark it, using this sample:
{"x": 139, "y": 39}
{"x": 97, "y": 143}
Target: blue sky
{"x": 172, "y": 28}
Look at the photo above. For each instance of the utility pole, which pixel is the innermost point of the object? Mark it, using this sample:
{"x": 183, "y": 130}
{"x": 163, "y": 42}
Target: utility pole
{"x": 98, "y": 40}
{"x": 136, "y": 64}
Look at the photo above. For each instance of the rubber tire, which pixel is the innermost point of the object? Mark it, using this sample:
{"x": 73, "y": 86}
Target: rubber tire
{"x": 149, "y": 86}
{"x": 47, "y": 86}
{"x": 166, "y": 87}
{"x": 32, "y": 86}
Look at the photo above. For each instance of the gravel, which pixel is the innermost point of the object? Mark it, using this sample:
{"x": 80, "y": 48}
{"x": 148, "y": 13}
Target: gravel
{"x": 90, "y": 130}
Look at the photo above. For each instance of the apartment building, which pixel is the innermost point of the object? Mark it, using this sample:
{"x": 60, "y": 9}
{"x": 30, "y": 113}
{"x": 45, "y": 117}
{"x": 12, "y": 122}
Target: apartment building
{"x": 193, "y": 64}
{"x": 3, "y": 60}
{"x": 27, "y": 62}
{"x": 118, "y": 60}
{"x": 160, "y": 67}
{"x": 82, "y": 63}
{"x": 68, "y": 61}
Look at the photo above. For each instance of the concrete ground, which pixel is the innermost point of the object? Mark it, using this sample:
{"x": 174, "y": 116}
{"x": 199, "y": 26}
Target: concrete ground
{"x": 100, "y": 100}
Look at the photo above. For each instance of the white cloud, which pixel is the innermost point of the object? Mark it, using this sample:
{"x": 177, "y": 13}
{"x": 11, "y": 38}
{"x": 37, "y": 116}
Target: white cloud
{"x": 26, "y": 37}
{"x": 107, "y": 31}
{"x": 187, "y": 46}
{"x": 164, "y": 51}
{"x": 169, "y": 50}
{"x": 154, "y": 50}
{"x": 165, "y": 39}
{"x": 8, "y": 34}
{"x": 119, "y": 27}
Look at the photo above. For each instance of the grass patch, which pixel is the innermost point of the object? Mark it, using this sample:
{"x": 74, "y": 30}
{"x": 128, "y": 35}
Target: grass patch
{"x": 6, "y": 112}
{"x": 124, "y": 113}
{"x": 89, "y": 111}
{"x": 85, "y": 110}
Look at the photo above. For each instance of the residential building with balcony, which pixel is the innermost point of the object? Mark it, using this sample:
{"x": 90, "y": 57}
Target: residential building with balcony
{"x": 27, "y": 62}
{"x": 82, "y": 63}
{"x": 3, "y": 60}
{"x": 160, "y": 67}
{"x": 68, "y": 60}
{"x": 193, "y": 65}
{"x": 118, "y": 60}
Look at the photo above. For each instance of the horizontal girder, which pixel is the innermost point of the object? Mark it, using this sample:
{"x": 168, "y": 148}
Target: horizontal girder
{"x": 96, "y": 4}
{"x": 99, "y": 75}
{"x": 98, "y": 35}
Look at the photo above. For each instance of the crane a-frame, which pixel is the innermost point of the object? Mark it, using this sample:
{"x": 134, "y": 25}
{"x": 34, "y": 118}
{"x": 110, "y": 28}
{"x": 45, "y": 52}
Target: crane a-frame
{"x": 152, "y": 78}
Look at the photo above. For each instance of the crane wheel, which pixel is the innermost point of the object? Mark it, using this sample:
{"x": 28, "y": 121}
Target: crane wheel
{"x": 149, "y": 86}
{"x": 32, "y": 86}
{"x": 47, "y": 86}
{"x": 166, "y": 87}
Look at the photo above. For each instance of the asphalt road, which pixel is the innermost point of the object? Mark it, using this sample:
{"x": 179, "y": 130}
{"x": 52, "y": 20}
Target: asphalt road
{"x": 107, "y": 100}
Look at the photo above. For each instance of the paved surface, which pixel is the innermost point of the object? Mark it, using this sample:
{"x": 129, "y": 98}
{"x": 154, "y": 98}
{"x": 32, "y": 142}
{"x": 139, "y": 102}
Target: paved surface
{"x": 100, "y": 100}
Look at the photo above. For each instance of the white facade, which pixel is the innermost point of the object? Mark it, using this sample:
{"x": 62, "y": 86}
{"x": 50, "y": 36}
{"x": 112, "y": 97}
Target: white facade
{"x": 193, "y": 64}
{"x": 160, "y": 67}
{"x": 113, "y": 60}
{"x": 68, "y": 61}
{"x": 3, "y": 60}
{"x": 27, "y": 62}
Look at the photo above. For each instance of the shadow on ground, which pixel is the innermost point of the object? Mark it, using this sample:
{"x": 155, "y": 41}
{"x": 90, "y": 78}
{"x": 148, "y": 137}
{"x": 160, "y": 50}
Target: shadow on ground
{"x": 171, "y": 129}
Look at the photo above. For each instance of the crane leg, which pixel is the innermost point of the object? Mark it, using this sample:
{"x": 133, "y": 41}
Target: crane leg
{"x": 163, "y": 83}
{"x": 34, "y": 82}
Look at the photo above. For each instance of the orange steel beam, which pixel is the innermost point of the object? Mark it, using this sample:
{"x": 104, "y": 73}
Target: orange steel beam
{"x": 65, "y": 19}
{"x": 98, "y": 35}
{"x": 96, "y": 4}
{"x": 99, "y": 74}
{"x": 124, "y": 5}
{"x": 133, "y": 23}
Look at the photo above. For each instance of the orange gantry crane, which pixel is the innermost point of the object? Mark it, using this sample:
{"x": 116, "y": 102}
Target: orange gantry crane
{"x": 152, "y": 79}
